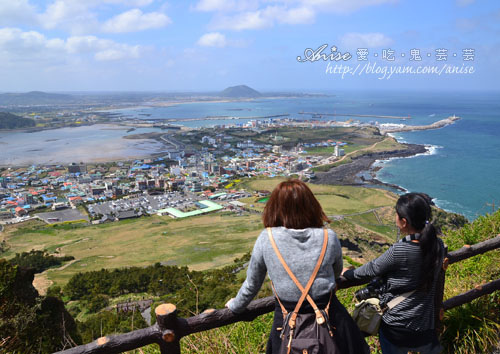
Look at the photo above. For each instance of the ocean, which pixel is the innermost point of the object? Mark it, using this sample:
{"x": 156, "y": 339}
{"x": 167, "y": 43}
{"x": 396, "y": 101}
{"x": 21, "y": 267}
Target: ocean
{"x": 461, "y": 169}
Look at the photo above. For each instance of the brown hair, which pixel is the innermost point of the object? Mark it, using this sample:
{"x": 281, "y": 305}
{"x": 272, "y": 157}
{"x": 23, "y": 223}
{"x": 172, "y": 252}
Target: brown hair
{"x": 294, "y": 206}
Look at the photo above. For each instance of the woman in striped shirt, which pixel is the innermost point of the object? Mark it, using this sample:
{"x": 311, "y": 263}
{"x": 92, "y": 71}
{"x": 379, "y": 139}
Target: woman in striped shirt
{"x": 410, "y": 264}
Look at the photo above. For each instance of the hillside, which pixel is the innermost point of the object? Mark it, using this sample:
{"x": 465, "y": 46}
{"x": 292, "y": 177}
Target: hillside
{"x": 12, "y": 121}
{"x": 240, "y": 91}
{"x": 96, "y": 281}
{"x": 33, "y": 98}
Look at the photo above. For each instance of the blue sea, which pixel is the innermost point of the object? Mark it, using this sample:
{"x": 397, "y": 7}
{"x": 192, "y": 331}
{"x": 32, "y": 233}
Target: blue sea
{"x": 461, "y": 170}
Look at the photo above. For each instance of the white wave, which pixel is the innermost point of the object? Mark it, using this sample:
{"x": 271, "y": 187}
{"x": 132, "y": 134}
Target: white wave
{"x": 405, "y": 190}
{"x": 399, "y": 138}
{"x": 451, "y": 207}
{"x": 433, "y": 149}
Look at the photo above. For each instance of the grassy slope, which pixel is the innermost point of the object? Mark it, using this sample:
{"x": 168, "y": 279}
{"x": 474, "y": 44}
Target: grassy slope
{"x": 335, "y": 200}
{"x": 202, "y": 242}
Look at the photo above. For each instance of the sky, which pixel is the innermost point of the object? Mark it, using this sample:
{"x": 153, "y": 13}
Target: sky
{"x": 270, "y": 45}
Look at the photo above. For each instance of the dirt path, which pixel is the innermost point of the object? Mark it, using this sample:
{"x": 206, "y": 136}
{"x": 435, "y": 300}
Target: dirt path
{"x": 42, "y": 283}
{"x": 328, "y": 161}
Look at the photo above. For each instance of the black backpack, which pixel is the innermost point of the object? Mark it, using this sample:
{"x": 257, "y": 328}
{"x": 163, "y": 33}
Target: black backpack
{"x": 305, "y": 333}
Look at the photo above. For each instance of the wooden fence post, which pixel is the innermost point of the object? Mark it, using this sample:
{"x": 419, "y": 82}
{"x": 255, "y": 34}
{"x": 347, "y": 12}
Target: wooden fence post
{"x": 166, "y": 318}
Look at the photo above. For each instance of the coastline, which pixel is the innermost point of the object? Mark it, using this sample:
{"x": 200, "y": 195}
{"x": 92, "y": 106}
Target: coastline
{"x": 350, "y": 174}
{"x": 356, "y": 172}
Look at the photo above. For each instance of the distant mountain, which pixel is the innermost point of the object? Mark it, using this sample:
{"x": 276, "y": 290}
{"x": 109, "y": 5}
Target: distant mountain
{"x": 33, "y": 98}
{"x": 11, "y": 121}
{"x": 240, "y": 91}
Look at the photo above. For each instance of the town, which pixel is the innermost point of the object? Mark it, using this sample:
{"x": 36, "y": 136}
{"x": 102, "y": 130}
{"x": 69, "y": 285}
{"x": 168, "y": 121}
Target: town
{"x": 194, "y": 176}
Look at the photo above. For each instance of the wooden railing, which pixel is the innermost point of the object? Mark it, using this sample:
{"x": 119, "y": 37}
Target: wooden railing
{"x": 169, "y": 329}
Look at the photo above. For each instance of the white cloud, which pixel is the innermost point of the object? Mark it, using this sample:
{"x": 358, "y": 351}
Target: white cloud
{"x": 242, "y": 21}
{"x": 214, "y": 5}
{"x": 263, "y": 18}
{"x": 14, "y": 12}
{"x": 299, "y": 15}
{"x": 117, "y": 53}
{"x": 365, "y": 40}
{"x": 74, "y": 16}
{"x": 17, "y": 45}
{"x": 344, "y": 6}
{"x": 258, "y": 14}
{"x": 79, "y": 17}
{"x": 226, "y": 5}
{"x": 213, "y": 39}
{"x": 102, "y": 49}
{"x": 135, "y": 20}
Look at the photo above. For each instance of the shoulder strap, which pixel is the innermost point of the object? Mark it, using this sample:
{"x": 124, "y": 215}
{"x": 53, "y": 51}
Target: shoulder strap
{"x": 395, "y": 302}
{"x": 283, "y": 309}
{"x": 305, "y": 291}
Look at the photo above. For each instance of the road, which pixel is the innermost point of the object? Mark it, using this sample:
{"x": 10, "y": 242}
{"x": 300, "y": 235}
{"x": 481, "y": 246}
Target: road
{"x": 330, "y": 159}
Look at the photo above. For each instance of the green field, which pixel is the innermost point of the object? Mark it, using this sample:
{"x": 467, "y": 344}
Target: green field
{"x": 353, "y": 135}
{"x": 335, "y": 200}
{"x": 201, "y": 242}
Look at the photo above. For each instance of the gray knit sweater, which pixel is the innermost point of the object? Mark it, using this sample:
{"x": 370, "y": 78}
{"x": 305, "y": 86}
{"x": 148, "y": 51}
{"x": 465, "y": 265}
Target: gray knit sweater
{"x": 301, "y": 250}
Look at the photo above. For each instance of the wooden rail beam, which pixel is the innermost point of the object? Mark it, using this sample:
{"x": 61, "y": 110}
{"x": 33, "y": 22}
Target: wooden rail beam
{"x": 468, "y": 251}
{"x": 119, "y": 343}
{"x": 473, "y": 294}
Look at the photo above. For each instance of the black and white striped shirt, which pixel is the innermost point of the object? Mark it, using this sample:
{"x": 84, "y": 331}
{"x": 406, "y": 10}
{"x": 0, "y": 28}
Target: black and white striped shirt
{"x": 401, "y": 267}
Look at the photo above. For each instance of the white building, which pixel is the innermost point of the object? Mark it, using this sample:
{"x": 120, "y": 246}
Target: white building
{"x": 338, "y": 151}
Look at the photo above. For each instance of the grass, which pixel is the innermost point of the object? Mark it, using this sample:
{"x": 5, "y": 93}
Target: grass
{"x": 355, "y": 150}
{"x": 382, "y": 225}
{"x": 329, "y": 150}
{"x": 201, "y": 242}
{"x": 335, "y": 200}
{"x": 473, "y": 327}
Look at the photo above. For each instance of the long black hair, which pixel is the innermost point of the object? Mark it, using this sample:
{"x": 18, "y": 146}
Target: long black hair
{"x": 416, "y": 209}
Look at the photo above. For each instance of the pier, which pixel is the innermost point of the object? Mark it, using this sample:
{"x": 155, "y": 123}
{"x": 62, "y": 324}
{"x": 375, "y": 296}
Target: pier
{"x": 356, "y": 115}
{"x": 408, "y": 128}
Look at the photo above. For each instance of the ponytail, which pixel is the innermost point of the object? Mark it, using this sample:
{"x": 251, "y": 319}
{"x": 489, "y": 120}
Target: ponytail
{"x": 430, "y": 255}
{"x": 416, "y": 209}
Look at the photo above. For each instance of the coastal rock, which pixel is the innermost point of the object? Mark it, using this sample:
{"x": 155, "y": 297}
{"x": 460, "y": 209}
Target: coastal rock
{"x": 346, "y": 174}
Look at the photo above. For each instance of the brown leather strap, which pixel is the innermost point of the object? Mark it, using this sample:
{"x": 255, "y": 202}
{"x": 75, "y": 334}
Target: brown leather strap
{"x": 305, "y": 291}
{"x": 283, "y": 309}
{"x": 327, "y": 308}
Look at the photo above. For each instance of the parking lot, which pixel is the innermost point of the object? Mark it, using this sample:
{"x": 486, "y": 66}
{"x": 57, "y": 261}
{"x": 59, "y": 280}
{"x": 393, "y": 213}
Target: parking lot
{"x": 147, "y": 204}
{"x": 62, "y": 215}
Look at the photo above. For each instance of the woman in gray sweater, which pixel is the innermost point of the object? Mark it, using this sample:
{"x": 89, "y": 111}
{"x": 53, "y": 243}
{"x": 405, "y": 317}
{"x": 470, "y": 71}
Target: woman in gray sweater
{"x": 296, "y": 220}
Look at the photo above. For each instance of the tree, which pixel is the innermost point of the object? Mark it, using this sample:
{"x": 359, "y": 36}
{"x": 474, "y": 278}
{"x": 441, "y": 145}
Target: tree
{"x": 30, "y": 323}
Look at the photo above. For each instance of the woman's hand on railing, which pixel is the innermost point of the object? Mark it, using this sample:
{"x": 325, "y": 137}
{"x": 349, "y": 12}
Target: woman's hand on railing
{"x": 346, "y": 269}
{"x": 229, "y": 302}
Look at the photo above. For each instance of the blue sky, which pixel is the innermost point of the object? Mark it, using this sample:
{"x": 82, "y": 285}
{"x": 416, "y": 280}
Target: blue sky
{"x": 207, "y": 45}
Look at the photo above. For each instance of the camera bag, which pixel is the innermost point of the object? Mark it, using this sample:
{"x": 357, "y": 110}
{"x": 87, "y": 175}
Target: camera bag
{"x": 368, "y": 313}
{"x": 305, "y": 333}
